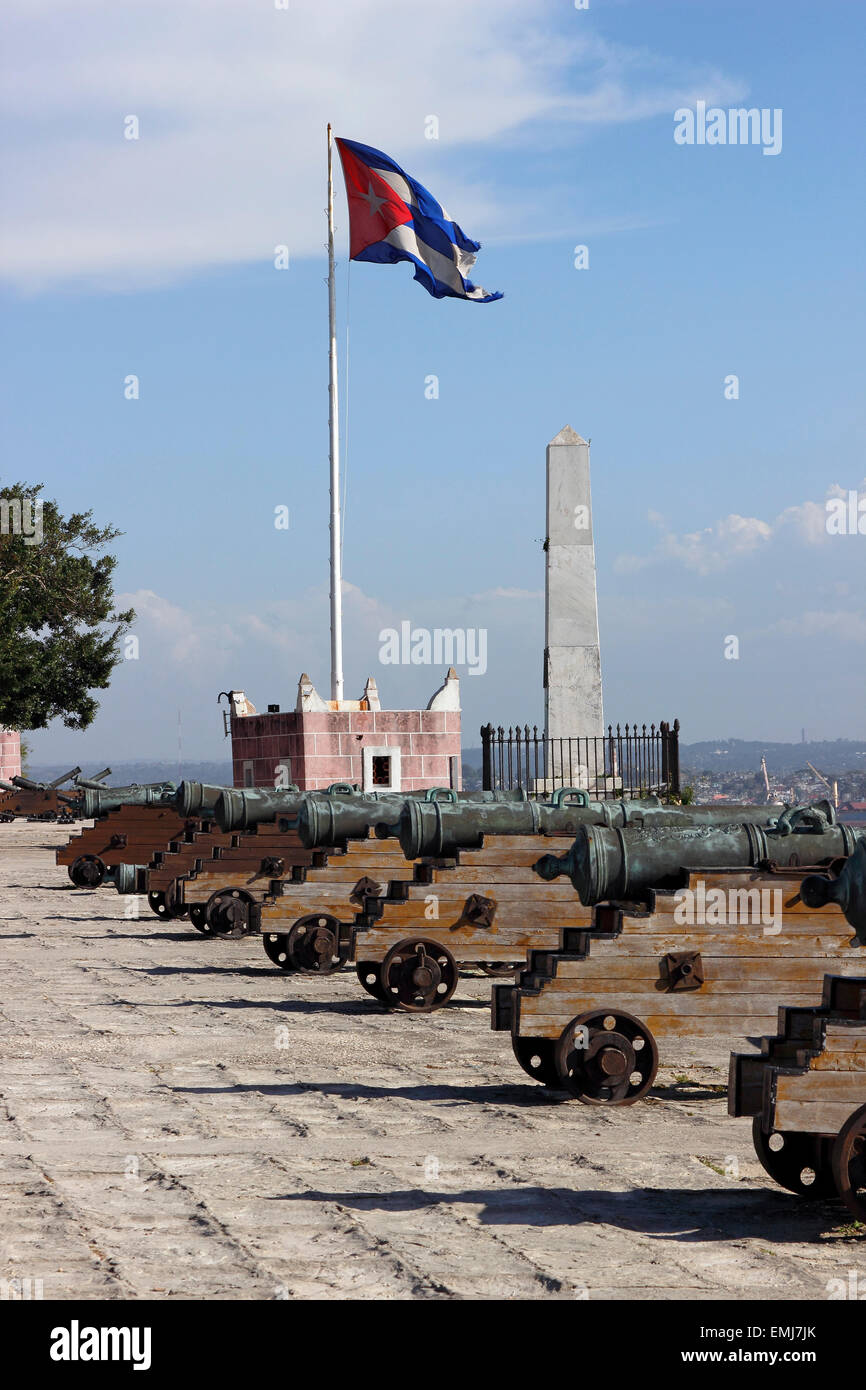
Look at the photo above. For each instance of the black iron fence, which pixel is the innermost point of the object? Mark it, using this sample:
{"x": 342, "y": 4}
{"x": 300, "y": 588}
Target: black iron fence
{"x": 629, "y": 762}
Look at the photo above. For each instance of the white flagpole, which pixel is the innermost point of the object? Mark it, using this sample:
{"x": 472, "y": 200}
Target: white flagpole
{"x": 336, "y": 565}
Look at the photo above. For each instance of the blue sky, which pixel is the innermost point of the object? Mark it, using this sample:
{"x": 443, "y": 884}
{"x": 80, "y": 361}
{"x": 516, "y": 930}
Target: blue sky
{"x": 155, "y": 257}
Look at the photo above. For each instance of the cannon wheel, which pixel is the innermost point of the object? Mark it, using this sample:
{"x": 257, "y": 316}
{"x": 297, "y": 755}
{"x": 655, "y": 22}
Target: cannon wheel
{"x": 197, "y": 916}
{"x": 848, "y": 1163}
{"x": 87, "y": 871}
{"x": 606, "y": 1058}
{"x": 369, "y": 974}
{"x": 799, "y": 1162}
{"x": 227, "y": 913}
{"x": 418, "y": 975}
{"x": 537, "y": 1057}
{"x": 276, "y": 949}
{"x": 165, "y": 904}
{"x": 314, "y": 944}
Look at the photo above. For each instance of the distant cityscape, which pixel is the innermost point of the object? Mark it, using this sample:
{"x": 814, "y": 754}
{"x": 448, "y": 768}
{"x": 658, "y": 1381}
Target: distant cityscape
{"x": 728, "y": 770}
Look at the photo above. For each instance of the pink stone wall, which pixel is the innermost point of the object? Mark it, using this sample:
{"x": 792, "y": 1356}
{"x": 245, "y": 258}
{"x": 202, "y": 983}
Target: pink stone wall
{"x": 10, "y": 754}
{"x": 324, "y": 748}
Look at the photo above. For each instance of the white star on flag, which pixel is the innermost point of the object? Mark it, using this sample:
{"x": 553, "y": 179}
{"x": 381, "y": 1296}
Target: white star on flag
{"x": 373, "y": 201}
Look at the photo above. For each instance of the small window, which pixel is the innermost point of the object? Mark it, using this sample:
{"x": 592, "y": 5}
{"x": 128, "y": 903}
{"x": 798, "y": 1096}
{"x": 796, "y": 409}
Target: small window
{"x": 381, "y": 771}
{"x": 248, "y": 775}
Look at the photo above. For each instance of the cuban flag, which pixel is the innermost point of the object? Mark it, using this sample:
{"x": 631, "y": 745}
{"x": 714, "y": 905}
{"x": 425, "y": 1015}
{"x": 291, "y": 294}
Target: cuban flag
{"x": 393, "y": 218}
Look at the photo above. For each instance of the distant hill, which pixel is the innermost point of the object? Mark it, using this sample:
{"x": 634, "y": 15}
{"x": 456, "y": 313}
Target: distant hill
{"x": 123, "y": 774}
{"x": 741, "y": 755}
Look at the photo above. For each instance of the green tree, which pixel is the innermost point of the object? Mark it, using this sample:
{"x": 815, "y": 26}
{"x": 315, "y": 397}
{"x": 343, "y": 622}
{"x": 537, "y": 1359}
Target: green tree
{"x": 59, "y": 634}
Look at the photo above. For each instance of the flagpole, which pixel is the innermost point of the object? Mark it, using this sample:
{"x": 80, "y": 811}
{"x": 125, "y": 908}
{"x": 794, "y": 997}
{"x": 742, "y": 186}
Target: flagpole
{"x": 336, "y": 564}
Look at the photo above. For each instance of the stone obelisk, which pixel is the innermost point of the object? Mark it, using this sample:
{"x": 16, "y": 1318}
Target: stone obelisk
{"x": 572, "y": 662}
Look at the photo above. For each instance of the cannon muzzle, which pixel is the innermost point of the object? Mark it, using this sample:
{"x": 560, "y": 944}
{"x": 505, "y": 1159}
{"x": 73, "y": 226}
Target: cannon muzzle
{"x": 618, "y": 864}
{"x": 197, "y": 799}
{"x": 241, "y": 809}
{"x": 130, "y": 878}
{"x": 848, "y": 889}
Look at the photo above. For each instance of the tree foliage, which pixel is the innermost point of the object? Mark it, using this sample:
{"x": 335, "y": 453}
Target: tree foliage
{"x": 59, "y": 634}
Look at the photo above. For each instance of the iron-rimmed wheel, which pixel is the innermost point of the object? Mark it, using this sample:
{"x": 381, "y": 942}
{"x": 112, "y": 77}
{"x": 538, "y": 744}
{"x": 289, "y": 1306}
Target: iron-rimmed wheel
{"x": 799, "y": 1162}
{"x": 848, "y": 1163}
{"x": 87, "y": 871}
{"x": 418, "y": 975}
{"x": 537, "y": 1057}
{"x": 197, "y": 916}
{"x": 157, "y": 903}
{"x": 606, "y": 1057}
{"x": 165, "y": 904}
{"x": 314, "y": 944}
{"x": 369, "y": 974}
{"x": 276, "y": 946}
{"x": 227, "y": 913}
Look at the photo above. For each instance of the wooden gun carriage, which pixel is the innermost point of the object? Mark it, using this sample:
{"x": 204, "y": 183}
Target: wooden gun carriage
{"x": 806, "y": 1094}
{"x": 408, "y": 941}
{"x": 126, "y": 835}
{"x": 703, "y": 960}
{"x": 41, "y": 801}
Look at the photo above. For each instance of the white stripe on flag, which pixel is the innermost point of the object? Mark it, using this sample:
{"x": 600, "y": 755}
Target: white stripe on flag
{"x": 443, "y": 267}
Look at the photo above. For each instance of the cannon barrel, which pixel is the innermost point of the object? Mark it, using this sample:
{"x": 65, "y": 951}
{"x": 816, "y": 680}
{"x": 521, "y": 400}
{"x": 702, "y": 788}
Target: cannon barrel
{"x": 7, "y": 786}
{"x": 26, "y": 785}
{"x": 324, "y": 821}
{"x": 95, "y": 781}
{"x": 100, "y": 801}
{"x": 622, "y": 863}
{"x": 241, "y": 809}
{"x": 437, "y": 831}
{"x": 58, "y": 781}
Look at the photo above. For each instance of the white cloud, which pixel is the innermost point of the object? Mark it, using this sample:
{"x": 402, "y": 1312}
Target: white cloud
{"x": 716, "y": 547}
{"x": 233, "y": 97}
